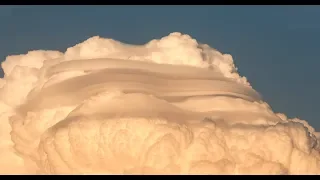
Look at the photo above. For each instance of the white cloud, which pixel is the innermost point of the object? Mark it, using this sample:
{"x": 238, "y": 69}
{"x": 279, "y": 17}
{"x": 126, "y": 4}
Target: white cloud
{"x": 171, "y": 106}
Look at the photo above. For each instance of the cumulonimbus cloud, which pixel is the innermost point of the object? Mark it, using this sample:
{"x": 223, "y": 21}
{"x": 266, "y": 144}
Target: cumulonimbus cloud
{"x": 171, "y": 106}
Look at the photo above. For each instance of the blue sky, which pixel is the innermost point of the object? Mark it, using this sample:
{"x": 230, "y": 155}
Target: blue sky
{"x": 275, "y": 47}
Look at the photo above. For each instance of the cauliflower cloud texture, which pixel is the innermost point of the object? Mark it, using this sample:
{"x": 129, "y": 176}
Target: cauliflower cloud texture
{"x": 171, "y": 106}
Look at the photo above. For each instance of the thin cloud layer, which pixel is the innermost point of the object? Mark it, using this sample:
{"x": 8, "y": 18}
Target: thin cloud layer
{"x": 171, "y": 106}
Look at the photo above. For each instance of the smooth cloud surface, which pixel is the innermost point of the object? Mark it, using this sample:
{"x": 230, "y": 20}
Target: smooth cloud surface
{"x": 171, "y": 106}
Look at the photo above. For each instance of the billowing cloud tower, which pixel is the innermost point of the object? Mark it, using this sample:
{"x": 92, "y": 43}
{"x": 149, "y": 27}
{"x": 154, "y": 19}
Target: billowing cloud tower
{"x": 171, "y": 106}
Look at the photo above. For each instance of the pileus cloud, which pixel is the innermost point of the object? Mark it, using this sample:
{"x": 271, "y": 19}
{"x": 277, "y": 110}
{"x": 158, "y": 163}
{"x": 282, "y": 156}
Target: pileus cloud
{"x": 171, "y": 106}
